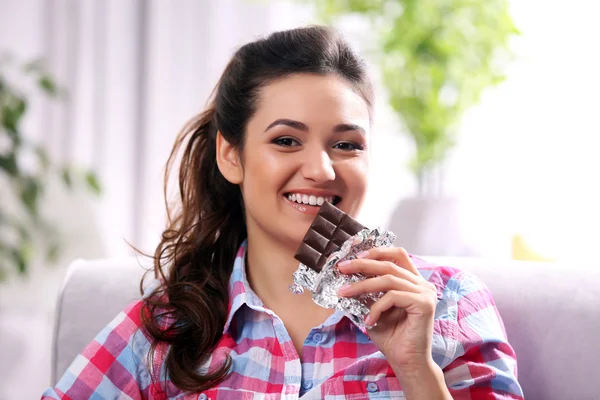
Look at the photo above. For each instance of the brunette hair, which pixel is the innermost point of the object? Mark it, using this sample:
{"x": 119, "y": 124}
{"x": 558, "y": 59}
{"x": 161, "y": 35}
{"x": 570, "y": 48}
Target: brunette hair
{"x": 194, "y": 259}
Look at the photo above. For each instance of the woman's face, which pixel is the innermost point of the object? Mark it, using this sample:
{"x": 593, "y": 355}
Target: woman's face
{"x": 307, "y": 143}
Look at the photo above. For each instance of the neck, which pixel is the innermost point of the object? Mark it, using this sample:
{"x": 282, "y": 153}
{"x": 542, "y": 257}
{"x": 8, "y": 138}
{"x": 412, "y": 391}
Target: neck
{"x": 270, "y": 266}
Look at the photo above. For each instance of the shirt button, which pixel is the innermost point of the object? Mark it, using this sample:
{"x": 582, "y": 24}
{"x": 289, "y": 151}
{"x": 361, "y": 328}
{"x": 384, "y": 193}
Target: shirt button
{"x": 306, "y": 385}
{"x": 202, "y": 397}
{"x": 317, "y": 337}
{"x": 372, "y": 387}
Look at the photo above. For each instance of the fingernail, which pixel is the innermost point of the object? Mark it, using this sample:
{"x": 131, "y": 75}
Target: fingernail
{"x": 342, "y": 263}
{"x": 362, "y": 254}
{"x": 369, "y": 320}
{"x": 344, "y": 288}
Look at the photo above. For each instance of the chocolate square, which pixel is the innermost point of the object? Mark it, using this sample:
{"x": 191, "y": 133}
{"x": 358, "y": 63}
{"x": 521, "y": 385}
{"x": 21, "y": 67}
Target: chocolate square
{"x": 329, "y": 230}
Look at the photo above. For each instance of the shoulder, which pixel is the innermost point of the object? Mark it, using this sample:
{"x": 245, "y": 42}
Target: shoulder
{"x": 113, "y": 364}
{"x": 125, "y": 327}
{"x": 130, "y": 319}
{"x": 124, "y": 342}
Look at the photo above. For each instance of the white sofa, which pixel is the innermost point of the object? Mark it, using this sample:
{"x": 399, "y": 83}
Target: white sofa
{"x": 551, "y": 313}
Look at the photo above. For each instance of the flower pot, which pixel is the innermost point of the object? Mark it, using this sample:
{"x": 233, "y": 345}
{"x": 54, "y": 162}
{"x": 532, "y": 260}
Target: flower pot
{"x": 447, "y": 226}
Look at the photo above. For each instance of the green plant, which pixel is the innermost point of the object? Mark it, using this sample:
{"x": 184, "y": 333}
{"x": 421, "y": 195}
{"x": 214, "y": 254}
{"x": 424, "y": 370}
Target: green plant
{"x": 25, "y": 168}
{"x": 436, "y": 59}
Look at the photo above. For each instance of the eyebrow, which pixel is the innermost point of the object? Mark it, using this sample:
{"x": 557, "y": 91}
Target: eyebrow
{"x": 301, "y": 126}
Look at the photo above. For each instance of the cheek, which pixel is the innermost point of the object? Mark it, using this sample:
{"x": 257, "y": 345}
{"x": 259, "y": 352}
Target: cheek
{"x": 355, "y": 173}
{"x": 264, "y": 171}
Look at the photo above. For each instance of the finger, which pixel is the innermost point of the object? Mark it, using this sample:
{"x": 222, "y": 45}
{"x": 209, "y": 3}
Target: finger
{"x": 382, "y": 283}
{"x": 397, "y": 255}
{"x": 412, "y": 303}
{"x": 375, "y": 267}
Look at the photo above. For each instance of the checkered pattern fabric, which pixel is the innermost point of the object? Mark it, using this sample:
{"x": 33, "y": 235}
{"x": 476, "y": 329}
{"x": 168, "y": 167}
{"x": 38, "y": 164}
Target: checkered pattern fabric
{"x": 339, "y": 361}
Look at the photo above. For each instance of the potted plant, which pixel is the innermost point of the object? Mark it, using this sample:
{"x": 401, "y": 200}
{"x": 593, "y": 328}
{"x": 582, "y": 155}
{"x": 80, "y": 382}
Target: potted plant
{"x": 25, "y": 168}
{"x": 436, "y": 58}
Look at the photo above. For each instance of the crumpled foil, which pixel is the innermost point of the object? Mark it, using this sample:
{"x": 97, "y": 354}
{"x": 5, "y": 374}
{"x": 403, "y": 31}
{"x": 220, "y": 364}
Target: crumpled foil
{"x": 324, "y": 285}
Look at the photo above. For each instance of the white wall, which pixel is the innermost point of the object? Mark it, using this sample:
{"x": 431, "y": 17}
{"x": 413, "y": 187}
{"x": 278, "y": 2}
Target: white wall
{"x": 527, "y": 160}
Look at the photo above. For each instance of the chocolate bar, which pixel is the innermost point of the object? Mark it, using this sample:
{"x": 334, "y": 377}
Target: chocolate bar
{"x": 328, "y": 232}
{"x": 332, "y": 237}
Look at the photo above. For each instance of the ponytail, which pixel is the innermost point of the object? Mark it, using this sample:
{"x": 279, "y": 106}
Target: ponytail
{"x": 194, "y": 295}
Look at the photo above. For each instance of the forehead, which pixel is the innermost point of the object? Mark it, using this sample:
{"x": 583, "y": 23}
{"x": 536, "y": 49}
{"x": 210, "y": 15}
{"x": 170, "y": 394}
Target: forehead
{"x": 312, "y": 99}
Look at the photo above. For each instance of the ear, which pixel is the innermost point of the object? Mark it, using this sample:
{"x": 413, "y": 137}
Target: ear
{"x": 228, "y": 161}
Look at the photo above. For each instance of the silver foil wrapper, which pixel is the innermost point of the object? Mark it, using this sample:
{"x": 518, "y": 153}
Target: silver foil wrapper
{"x": 324, "y": 285}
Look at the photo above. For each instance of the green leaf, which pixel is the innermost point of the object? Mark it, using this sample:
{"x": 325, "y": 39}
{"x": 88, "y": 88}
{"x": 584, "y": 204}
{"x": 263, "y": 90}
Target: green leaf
{"x": 31, "y": 189}
{"x": 19, "y": 108}
{"x": 4, "y": 260}
{"x": 20, "y": 261}
{"x": 48, "y": 85}
{"x": 34, "y": 66}
{"x": 67, "y": 178}
{"x": 24, "y": 233}
{"x": 93, "y": 183}
{"x": 53, "y": 252}
{"x": 8, "y": 163}
{"x": 43, "y": 157}
{"x": 12, "y": 114}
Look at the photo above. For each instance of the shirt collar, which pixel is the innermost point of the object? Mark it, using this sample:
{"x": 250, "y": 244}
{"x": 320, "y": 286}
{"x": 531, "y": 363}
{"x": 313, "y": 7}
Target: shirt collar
{"x": 240, "y": 292}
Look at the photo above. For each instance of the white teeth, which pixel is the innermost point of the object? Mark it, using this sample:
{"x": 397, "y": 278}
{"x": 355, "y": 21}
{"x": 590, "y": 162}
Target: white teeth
{"x": 309, "y": 199}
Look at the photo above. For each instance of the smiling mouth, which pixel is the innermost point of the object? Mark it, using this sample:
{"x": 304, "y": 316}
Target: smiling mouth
{"x": 312, "y": 200}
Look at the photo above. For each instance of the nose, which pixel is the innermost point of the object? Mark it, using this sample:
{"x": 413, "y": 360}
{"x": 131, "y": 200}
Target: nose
{"x": 318, "y": 167}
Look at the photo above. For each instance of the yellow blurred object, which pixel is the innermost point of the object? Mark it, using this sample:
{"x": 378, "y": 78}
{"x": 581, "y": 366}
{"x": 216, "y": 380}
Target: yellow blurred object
{"x": 521, "y": 250}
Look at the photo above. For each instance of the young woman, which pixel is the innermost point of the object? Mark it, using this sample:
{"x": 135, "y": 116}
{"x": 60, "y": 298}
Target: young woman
{"x": 288, "y": 127}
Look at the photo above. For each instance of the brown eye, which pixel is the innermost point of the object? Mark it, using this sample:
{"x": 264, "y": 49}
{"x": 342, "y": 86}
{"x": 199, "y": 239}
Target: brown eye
{"x": 286, "y": 142}
{"x": 348, "y": 146}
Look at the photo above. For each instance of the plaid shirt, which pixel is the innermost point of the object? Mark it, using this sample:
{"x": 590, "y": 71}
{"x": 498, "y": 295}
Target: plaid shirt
{"x": 339, "y": 361}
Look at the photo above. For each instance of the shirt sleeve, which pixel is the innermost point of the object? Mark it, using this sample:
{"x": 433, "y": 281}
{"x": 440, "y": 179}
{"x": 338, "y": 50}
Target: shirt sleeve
{"x": 484, "y": 365}
{"x": 112, "y": 366}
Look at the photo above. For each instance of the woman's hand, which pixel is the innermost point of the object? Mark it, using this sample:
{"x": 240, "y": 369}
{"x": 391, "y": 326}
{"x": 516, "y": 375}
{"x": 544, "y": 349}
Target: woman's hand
{"x": 404, "y": 315}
